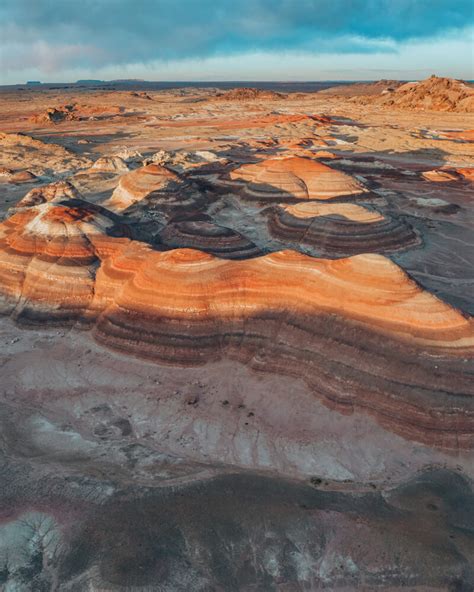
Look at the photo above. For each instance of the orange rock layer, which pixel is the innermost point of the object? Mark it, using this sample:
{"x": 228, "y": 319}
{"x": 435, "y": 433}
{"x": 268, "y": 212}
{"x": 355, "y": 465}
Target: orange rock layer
{"x": 357, "y": 330}
{"x": 291, "y": 178}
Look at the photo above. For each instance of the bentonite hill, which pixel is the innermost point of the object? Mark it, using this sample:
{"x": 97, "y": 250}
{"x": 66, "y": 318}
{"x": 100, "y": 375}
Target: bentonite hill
{"x": 237, "y": 339}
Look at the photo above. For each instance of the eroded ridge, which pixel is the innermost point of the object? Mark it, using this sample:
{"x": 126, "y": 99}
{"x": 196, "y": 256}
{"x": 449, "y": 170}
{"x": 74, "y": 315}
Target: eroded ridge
{"x": 357, "y": 330}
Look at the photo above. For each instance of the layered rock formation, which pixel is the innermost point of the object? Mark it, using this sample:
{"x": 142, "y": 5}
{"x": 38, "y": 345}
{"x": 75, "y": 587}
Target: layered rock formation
{"x": 292, "y": 178}
{"x": 282, "y": 313}
{"x": 210, "y": 238}
{"x": 49, "y": 254}
{"x": 340, "y": 229}
{"x": 153, "y": 186}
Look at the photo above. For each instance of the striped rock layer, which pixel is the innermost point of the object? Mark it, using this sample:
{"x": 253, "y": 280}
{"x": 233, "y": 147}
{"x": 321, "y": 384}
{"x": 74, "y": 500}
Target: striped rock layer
{"x": 210, "y": 238}
{"x": 152, "y": 185}
{"x": 292, "y": 178}
{"x": 361, "y": 334}
{"x": 340, "y": 229}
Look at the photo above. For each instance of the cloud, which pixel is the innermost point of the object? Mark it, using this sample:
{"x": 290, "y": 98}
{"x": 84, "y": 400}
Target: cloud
{"x": 52, "y": 36}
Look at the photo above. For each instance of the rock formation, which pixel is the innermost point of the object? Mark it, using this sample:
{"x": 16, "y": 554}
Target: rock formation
{"x": 292, "y": 178}
{"x": 434, "y": 93}
{"x": 75, "y": 112}
{"x": 42, "y": 157}
{"x": 49, "y": 254}
{"x": 17, "y": 177}
{"x": 210, "y": 238}
{"x": 283, "y": 313}
{"x": 440, "y": 176}
{"x": 110, "y": 164}
{"x": 153, "y": 186}
{"x": 58, "y": 191}
{"x": 340, "y": 230}
{"x": 181, "y": 161}
{"x": 249, "y": 94}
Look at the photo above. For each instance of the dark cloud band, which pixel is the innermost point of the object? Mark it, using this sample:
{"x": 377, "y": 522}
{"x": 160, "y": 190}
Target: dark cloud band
{"x": 115, "y": 32}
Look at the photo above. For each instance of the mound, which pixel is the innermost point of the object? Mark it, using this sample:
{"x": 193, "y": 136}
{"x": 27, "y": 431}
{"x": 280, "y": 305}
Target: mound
{"x": 110, "y": 164}
{"x": 49, "y": 254}
{"x": 436, "y": 94}
{"x": 37, "y": 155}
{"x": 150, "y": 187}
{"x": 362, "y": 88}
{"x": 75, "y": 112}
{"x": 292, "y": 178}
{"x": 210, "y": 238}
{"x": 249, "y": 94}
{"x": 340, "y": 230}
{"x": 58, "y": 191}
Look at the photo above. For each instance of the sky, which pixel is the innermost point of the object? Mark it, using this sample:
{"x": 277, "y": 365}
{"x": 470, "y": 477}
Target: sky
{"x": 216, "y": 40}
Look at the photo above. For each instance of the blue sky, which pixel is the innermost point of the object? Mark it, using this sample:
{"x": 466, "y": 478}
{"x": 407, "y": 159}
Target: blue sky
{"x": 64, "y": 40}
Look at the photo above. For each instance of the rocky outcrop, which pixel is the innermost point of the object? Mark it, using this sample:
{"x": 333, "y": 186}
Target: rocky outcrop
{"x": 16, "y": 177}
{"x": 434, "y": 93}
{"x": 181, "y": 161}
{"x": 153, "y": 186}
{"x": 292, "y": 178}
{"x": 340, "y": 229}
{"x": 283, "y": 313}
{"x": 250, "y": 94}
{"x": 58, "y": 191}
{"x": 110, "y": 164}
{"x": 75, "y": 112}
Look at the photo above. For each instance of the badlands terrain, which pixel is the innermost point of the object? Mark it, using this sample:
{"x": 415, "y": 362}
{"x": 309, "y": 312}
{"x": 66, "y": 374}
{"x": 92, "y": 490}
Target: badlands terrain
{"x": 237, "y": 339}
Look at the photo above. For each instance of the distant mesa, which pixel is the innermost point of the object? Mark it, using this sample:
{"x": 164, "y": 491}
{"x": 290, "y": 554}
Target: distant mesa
{"x": 378, "y": 87}
{"x": 90, "y": 81}
{"x": 33, "y": 82}
{"x": 292, "y": 178}
{"x": 340, "y": 229}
